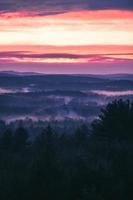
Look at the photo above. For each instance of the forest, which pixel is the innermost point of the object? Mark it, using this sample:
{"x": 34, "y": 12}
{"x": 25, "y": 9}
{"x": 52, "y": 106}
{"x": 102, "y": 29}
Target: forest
{"x": 92, "y": 163}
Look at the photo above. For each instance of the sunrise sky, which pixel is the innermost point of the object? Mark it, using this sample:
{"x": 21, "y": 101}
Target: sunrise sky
{"x": 66, "y": 36}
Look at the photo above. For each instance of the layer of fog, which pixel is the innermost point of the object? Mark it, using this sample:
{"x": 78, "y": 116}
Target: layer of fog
{"x": 13, "y": 91}
{"x": 112, "y": 93}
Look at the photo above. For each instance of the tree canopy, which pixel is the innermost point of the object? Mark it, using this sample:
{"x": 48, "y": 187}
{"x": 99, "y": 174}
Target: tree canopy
{"x": 115, "y": 121}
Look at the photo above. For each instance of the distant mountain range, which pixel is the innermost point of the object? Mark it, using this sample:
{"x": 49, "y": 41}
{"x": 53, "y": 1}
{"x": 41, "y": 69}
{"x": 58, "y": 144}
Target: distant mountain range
{"x": 101, "y": 76}
{"x": 119, "y": 76}
{"x": 14, "y": 73}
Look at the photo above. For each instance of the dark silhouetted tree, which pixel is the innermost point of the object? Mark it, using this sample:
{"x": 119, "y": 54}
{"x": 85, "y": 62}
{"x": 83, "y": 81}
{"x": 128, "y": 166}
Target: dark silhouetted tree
{"x": 20, "y": 139}
{"x": 45, "y": 174}
{"x": 7, "y": 140}
{"x": 82, "y": 134}
{"x": 115, "y": 121}
{"x": 2, "y": 126}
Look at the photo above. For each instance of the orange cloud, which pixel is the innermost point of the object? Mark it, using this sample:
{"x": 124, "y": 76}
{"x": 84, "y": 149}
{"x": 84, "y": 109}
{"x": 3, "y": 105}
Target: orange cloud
{"x": 66, "y": 57}
{"x": 73, "y": 28}
{"x": 105, "y": 15}
{"x": 72, "y": 49}
{"x": 75, "y": 15}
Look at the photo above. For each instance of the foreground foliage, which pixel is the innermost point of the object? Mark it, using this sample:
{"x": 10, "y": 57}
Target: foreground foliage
{"x": 96, "y": 165}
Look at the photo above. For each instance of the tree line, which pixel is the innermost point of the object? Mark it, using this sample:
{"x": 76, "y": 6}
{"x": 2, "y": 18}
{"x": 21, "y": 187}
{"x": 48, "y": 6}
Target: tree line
{"x": 90, "y": 164}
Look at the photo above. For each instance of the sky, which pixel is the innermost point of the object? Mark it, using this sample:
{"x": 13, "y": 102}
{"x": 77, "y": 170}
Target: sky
{"x": 66, "y": 36}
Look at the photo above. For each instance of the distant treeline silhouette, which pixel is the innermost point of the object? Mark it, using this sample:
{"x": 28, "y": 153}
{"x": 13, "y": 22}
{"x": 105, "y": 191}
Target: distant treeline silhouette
{"x": 90, "y": 164}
